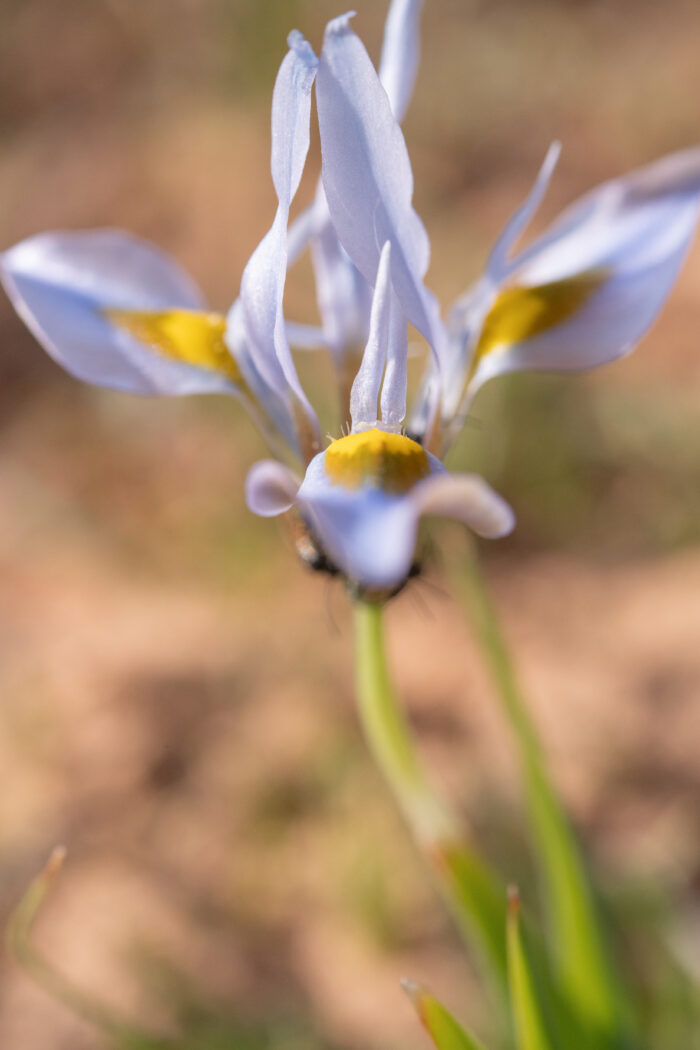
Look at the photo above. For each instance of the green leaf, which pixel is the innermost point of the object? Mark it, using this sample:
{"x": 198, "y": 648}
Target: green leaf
{"x": 445, "y": 1032}
{"x": 580, "y": 955}
{"x": 532, "y": 1031}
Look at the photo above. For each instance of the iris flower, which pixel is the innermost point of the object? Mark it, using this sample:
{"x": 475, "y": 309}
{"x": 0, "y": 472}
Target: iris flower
{"x": 115, "y": 311}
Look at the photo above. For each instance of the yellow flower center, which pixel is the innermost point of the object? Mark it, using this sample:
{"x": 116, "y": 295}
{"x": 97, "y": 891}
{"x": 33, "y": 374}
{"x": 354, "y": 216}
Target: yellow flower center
{"x": 191, "y": 336}
{"x": 391, "y": 462}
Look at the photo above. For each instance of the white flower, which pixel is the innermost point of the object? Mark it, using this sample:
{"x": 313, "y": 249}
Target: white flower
{"x": 116, "y": 312}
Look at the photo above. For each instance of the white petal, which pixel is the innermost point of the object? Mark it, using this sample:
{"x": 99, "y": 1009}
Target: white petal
{"x": 626, "y": 242}
{"x": 262, "y": 285}
{"x": 364, "y": 396}
{"x": 368, "y": 533}
{"x": 497, "y": 265}
{"x": 394, "y": 387}
{"x": 300, "y": 233}
{"x": 344, "y": 296}
{"x": 401, "y": 53}
{"x": 367, "y": 176}
{"x": 305, "y": 336}
{"x": 277, "y": 407}
{"x": 60, "y": 282}
{"x": 371, "y": 534}
{"x": 270, "y": 488}
{"x": 467, "y": 498}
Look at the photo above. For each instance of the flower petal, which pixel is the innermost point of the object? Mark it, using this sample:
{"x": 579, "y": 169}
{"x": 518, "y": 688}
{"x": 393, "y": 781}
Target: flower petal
{"x": 364, "y": 396}
{"x": 344, "y": 296}
{"x": 497, "y": 265}
{"x": 270, "y": 488}
{"x": 363, "y": 498}
{"x": 369, "y": 533}
{"x": 467, "y": 498}
{"x": 65, "y": 284}
{"x": 367, "y": 176}
{"x": 305, "y": 336}
{"x": 262, "y": 285}
{"x": 395, "y": 385}
{"x": 587, "y": 290}
{"x": 277, "y": 408}
{"x": 398, "y": 66}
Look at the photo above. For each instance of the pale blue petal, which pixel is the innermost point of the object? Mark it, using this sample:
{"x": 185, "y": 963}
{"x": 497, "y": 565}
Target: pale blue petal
{"x": 305, "y": 336}
{"x": 371, "y": 535}
{"x": 262, "y": 285}
{"x": 344, "y": 296}
{"x": 299, "y": 235}
{"x": 60, "y": 282}
{"x": 466, "y": 498}
{"x": 270, "y": 488}
{"x": 364, "y": 396}
{"x": 497, "y": 266}
{"x": 631, "y": 235}
{"x": 367, "y": 176}
{"x": 277, "y": 407}
{"x": 631, "y": 222}
{"x": 394, "y": 387}
{"x": 398, "y": 67}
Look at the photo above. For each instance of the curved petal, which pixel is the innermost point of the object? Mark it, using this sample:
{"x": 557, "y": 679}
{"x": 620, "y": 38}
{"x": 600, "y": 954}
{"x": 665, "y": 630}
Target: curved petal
{"x": 276, "y": 408}
{"x": 67, "y": 284}
{"x": 367, "y": 176}
{"x": 344, "y": 297}
{"x": 467, "y": 498}
{"x": 588, "y": 289}
{"x": 369, "y": 527}
{"x": 398, "y": 66}
{"x": 262, "y": 284}
{"x": 497, "y": 265}
{"x": 369, "y": 533}
{"x": 364, "y": 396}
{"x": 305, "y": 336}
{"x": 270, "y": 488}
{"x": 394, "y": 388}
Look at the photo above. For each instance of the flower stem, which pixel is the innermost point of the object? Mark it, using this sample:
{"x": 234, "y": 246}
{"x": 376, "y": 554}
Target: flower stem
{"x": 474, "y": 893}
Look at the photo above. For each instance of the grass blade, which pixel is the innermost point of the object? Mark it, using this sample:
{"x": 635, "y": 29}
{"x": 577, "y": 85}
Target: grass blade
{"x": 532, "y": 1030}
{"x": 443, "y": 1029}
{"x": 580, "y": 954}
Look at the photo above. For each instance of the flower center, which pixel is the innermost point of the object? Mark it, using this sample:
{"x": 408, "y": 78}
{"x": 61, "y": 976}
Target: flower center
{"x": 391, "y": 462}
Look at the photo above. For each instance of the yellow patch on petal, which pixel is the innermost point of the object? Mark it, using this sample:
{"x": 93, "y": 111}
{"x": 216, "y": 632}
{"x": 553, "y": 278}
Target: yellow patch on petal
{"x": 191, "y": 336}
{"x": 521, "y": 312}
{"x": 391, "y": 462}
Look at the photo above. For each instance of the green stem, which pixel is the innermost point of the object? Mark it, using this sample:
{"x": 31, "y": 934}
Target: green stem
{"x": 474, "y": 893}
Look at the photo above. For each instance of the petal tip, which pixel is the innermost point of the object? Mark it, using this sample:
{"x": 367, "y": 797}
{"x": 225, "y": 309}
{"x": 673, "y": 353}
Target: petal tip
{"x": 297, "y": 42}
{"x": 341, "y": 25}
{"x": 270, "y": 488}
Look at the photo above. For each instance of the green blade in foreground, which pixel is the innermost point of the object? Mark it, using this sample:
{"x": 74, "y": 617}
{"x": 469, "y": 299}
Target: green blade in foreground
{"x": 443, "y": 1029}
{"x": 581, "y": 960}
{"x": 531, "y": 1027}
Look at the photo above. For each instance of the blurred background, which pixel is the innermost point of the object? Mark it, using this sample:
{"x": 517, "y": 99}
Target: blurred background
{"x": 176, "y": 692}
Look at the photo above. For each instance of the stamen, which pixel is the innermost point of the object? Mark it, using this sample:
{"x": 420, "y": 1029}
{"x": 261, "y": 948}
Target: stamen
{"x": 377, "y": 458}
